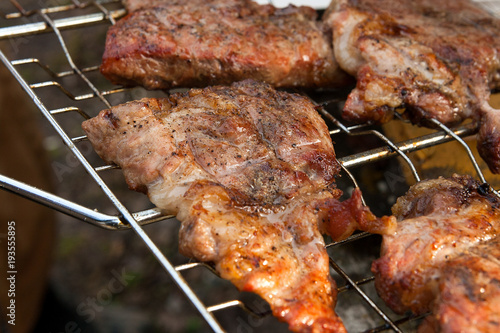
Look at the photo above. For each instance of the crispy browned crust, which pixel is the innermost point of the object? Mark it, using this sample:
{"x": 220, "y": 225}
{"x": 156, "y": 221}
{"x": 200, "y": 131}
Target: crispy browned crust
{"x": 433, "y": 59}
{"x": 262, "y": 144}
{"x": 134, "y": 5}
{"x": 444, "y": 225}
{"x": 249, "y": 171}
{"x": 469, "y": 293}
{"x": 436, "y": 59}
{"x": 220, "y": 42}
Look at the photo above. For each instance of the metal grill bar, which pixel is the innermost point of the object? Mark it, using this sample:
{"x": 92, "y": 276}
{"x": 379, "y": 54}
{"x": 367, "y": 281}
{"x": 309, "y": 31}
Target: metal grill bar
{"x": 85, "y": 214}
{"x": 66, "y": 23}
{"x": 411, "y": 145}
{"x": 71, "y": 109}
{"x": 56, "y": 9}
{"x": 126, "y": 215}
{"x": 48, "y": 70}
{"x": 391, "y": 147}
{"x": 467, "y": 149}
{"x": 364, "y": 296}
{"x": 70, "y": 60}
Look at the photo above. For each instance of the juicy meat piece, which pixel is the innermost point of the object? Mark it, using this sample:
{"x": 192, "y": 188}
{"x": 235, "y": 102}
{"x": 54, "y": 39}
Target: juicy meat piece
{"x": 133, "y": 5}
{"x": 488, "y": 139}
{"x": 249, "y": 171}
{"x": 435, "y": 59}
{"x": 196, "y": 44}
{"x": 444, "y": 224}
{"x": 263, "y": 145}
{"x": 279, "y": 254}
{"x": 438, "y": 220}
{"x": 469, "y": 293}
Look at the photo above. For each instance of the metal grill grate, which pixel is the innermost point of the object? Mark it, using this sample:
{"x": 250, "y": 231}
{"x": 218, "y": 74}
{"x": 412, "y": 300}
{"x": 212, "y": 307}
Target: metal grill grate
{"x": 82, "y": 93}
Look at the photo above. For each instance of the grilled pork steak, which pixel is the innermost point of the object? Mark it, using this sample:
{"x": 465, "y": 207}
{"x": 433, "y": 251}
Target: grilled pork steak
{"x": 433, "y": 260}
{"x": 133, "y": 5}
{"x": 469, "y": 293}
{"x": 435, "y": 59}
{"x": 249, "y": 171}
{"x": 201, "y": 43}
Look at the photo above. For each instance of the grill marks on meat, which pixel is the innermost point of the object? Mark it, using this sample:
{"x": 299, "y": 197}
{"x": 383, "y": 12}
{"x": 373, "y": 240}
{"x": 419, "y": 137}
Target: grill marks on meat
{"x": 444, "y": 256}
{"x": 249, "y": 172}
{"x": 436, "y": 59}
{"x": 201, "y": 43}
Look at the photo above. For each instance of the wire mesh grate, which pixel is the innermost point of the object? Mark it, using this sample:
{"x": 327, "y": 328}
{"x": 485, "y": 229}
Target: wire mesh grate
{"x": 82, "y": 93}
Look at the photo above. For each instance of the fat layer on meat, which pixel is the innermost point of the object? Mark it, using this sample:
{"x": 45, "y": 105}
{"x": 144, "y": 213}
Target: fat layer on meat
{"x": 249, "y": 171}
{"x": 201, "y": 43}
{"x": 442, "y": 254}
{"x": 435, "y": 59}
